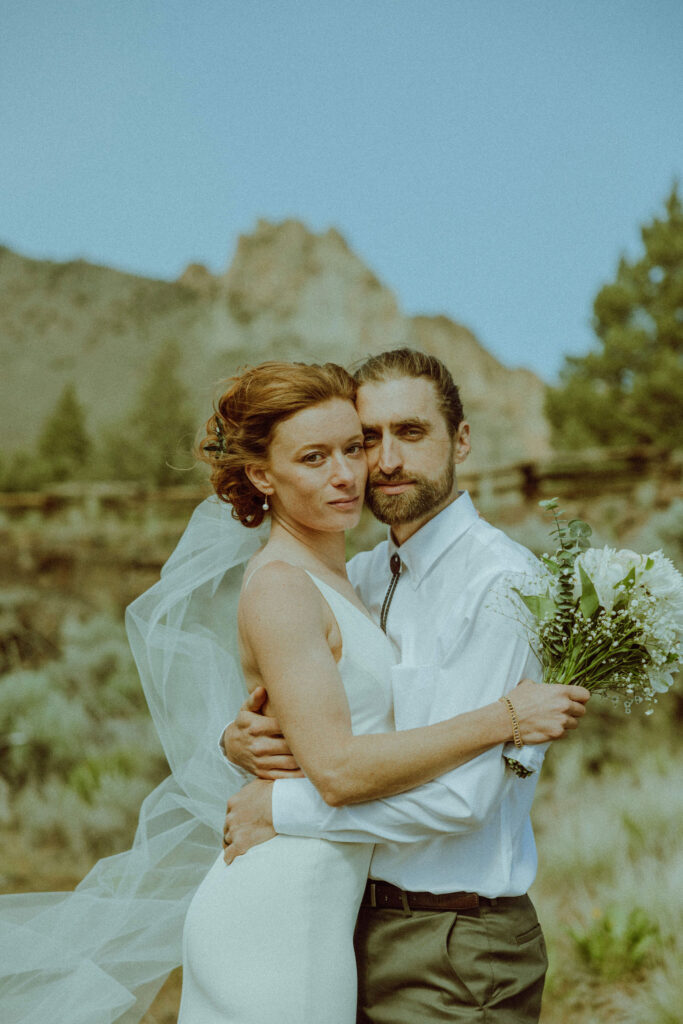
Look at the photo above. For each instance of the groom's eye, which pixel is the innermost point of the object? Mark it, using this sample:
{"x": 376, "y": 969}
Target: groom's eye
{"x": 370, "y": 439}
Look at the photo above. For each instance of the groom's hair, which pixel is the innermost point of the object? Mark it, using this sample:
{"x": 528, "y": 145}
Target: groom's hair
{"x": 408, "y": 362}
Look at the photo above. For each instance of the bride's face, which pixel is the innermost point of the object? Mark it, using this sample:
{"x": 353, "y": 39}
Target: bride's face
{"x": 316, "y": 468}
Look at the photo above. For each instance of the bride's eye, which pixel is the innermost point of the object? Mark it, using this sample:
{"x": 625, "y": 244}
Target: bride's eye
{"x": 355, "y": 449}
{"x": 313, "y": 458}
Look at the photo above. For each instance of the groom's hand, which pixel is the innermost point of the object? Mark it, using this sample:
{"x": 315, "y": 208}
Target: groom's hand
{"x": 248, "y": 820}
{"x": 254, "y": 741}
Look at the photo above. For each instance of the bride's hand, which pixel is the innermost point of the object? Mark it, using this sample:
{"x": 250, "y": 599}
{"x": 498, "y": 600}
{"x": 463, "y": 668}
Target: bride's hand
{"x": 547, "y": 711}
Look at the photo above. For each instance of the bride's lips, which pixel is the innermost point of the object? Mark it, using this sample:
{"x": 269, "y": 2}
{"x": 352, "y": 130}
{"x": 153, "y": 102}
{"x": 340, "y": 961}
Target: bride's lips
{"x": 344, "y": 504}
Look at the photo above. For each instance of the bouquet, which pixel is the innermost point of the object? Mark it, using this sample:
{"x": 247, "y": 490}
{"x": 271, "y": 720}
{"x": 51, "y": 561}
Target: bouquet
{"x": 608, "y": 620}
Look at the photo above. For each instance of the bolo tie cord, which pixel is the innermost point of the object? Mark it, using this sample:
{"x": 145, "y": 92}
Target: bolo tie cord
{"x": 395, "y": 566}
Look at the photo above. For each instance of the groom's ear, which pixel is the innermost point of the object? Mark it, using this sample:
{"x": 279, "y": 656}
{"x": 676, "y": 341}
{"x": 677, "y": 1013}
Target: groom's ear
{"x": 461, "y": 442}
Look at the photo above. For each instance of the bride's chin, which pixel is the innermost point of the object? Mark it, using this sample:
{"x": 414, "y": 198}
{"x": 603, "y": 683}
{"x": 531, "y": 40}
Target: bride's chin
{"x": 332, "y": 521}
{"x": 338, "y": 521}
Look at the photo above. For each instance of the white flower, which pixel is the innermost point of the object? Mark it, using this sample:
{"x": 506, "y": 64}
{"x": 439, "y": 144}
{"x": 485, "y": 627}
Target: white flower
{"x": 660, "y": 679}
{"x": 606, "y": 567}
{"x": 663, "y": 581}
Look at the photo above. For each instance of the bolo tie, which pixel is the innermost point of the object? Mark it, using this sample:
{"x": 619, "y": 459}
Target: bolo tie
{"x": 395, "y": 566}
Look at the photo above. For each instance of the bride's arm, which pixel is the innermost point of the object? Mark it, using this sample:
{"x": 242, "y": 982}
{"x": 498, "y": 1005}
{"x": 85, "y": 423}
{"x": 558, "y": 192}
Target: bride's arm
{"x": 308, "y": 699}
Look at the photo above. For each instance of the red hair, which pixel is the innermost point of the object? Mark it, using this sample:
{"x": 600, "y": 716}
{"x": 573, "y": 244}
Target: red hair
{"x": 241, "y": 428}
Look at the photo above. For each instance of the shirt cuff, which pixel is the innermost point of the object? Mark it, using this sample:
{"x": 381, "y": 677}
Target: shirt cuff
{"x": 529, "y": 757}
{"x": 297, "y": 807}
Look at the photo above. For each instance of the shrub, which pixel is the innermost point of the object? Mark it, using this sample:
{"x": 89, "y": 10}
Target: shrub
{"x": 80, "y": 751}
{"x": 619, "y": 941}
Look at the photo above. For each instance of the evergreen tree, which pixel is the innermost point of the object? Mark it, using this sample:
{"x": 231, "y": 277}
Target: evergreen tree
{"x": 63, "y": 445}
{"x": 152, "y": 444}
{"x": 629, "y": 390}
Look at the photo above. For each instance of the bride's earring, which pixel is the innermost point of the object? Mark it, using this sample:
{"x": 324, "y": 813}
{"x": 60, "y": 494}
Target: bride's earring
{"x": 264, "y": 506}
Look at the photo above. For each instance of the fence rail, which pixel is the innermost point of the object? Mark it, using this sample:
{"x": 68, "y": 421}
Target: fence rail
{"x": 653, "y": 473}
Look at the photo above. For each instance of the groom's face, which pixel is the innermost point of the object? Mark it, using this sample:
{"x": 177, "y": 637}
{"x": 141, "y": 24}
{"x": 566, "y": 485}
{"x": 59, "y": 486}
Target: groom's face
{"x": 411, "y": 454}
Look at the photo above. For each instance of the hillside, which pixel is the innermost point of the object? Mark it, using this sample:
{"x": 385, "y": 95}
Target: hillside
{"x": 287, "y": 294}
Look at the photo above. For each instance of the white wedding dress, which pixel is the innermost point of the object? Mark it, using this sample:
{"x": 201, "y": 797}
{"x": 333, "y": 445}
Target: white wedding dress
{"x": 270, "y": 937}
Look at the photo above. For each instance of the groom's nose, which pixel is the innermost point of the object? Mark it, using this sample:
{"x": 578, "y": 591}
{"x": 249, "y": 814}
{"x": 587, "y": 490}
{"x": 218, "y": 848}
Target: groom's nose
{"x": 390, "y": 457}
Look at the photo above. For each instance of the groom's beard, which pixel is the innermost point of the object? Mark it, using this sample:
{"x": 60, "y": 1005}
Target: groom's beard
{"x": 425, "y": 495}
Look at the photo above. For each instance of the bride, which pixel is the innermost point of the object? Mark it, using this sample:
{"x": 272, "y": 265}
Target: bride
{"x": 270, "y": 935}
{"x": 272, "y": 932}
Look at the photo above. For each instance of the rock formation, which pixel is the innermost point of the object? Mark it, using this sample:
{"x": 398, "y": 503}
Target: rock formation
{"x": 288, "y": 294}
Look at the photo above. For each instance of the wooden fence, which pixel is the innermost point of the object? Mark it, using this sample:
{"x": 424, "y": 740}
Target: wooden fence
{"x": 648, "y": 475}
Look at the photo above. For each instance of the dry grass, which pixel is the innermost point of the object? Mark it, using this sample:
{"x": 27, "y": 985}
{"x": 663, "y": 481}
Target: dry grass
{"x": 610, "y": 868}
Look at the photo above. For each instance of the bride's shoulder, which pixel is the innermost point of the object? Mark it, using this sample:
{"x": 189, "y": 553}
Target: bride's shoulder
{"x": 272, "y": 579}
{"x": 279, "y": 597}
{"x": 273, "y": 569}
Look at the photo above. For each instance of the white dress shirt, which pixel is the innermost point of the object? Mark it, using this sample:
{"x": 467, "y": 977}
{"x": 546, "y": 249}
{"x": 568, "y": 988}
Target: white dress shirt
{"x": 468, "y": 830}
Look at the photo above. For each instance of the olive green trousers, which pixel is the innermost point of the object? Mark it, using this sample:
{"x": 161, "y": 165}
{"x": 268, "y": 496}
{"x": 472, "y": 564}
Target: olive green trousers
{"x": 422, "y": 966}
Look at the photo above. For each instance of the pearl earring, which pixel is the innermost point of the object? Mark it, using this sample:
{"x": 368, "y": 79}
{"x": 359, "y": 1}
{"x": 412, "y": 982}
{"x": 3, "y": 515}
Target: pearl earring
{"x": 264, "y": 506}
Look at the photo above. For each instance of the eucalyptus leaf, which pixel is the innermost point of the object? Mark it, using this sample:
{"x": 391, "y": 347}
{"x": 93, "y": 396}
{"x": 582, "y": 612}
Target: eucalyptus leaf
{"x": 580, "y": 532}
{"x": 579, "y": 528}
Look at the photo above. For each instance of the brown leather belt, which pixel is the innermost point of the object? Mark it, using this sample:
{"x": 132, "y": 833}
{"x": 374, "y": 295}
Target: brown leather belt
{"x": 385, "y": 896}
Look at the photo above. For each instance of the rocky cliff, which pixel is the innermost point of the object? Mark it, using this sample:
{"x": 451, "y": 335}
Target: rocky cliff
{"x": 287, "y": 294}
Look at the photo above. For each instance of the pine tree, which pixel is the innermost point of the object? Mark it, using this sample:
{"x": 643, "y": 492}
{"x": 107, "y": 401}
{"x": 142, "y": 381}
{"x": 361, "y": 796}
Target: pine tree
{"x": 154, "y": 441}
{"x": 63, "y": 444}
{"x": 629, "y": 390}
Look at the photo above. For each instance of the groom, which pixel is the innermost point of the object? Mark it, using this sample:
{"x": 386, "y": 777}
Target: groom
{"x": 446, "y": 931}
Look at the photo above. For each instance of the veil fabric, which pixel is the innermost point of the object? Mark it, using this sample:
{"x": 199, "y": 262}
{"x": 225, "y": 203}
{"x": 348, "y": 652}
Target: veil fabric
{"x": 99, "y": 954}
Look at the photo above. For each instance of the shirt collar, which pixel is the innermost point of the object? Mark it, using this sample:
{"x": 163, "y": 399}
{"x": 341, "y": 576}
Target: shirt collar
{"x": 419, "y": 553}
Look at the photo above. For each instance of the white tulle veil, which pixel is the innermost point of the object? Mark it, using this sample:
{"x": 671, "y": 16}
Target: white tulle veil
{"x": 99, "y": 954}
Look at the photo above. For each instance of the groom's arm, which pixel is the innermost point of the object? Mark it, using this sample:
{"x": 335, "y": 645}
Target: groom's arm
{"x": 453, "y": 804}
{"x": 461, "y": 801}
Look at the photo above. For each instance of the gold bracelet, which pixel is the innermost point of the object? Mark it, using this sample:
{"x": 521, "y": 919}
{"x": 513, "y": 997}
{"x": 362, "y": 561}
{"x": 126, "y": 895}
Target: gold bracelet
{"x": 516, "y": 734}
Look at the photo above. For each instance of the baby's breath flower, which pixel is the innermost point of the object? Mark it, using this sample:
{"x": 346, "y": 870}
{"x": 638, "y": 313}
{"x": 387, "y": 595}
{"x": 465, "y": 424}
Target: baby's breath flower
{"x": 609, "y": 620}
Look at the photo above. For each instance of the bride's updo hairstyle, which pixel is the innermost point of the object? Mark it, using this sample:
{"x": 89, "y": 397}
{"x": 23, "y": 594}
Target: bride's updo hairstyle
{"x": 241, "y": 429}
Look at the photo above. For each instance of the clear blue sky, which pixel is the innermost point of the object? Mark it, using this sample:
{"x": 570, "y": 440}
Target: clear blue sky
{"x": 489, "y": 159}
